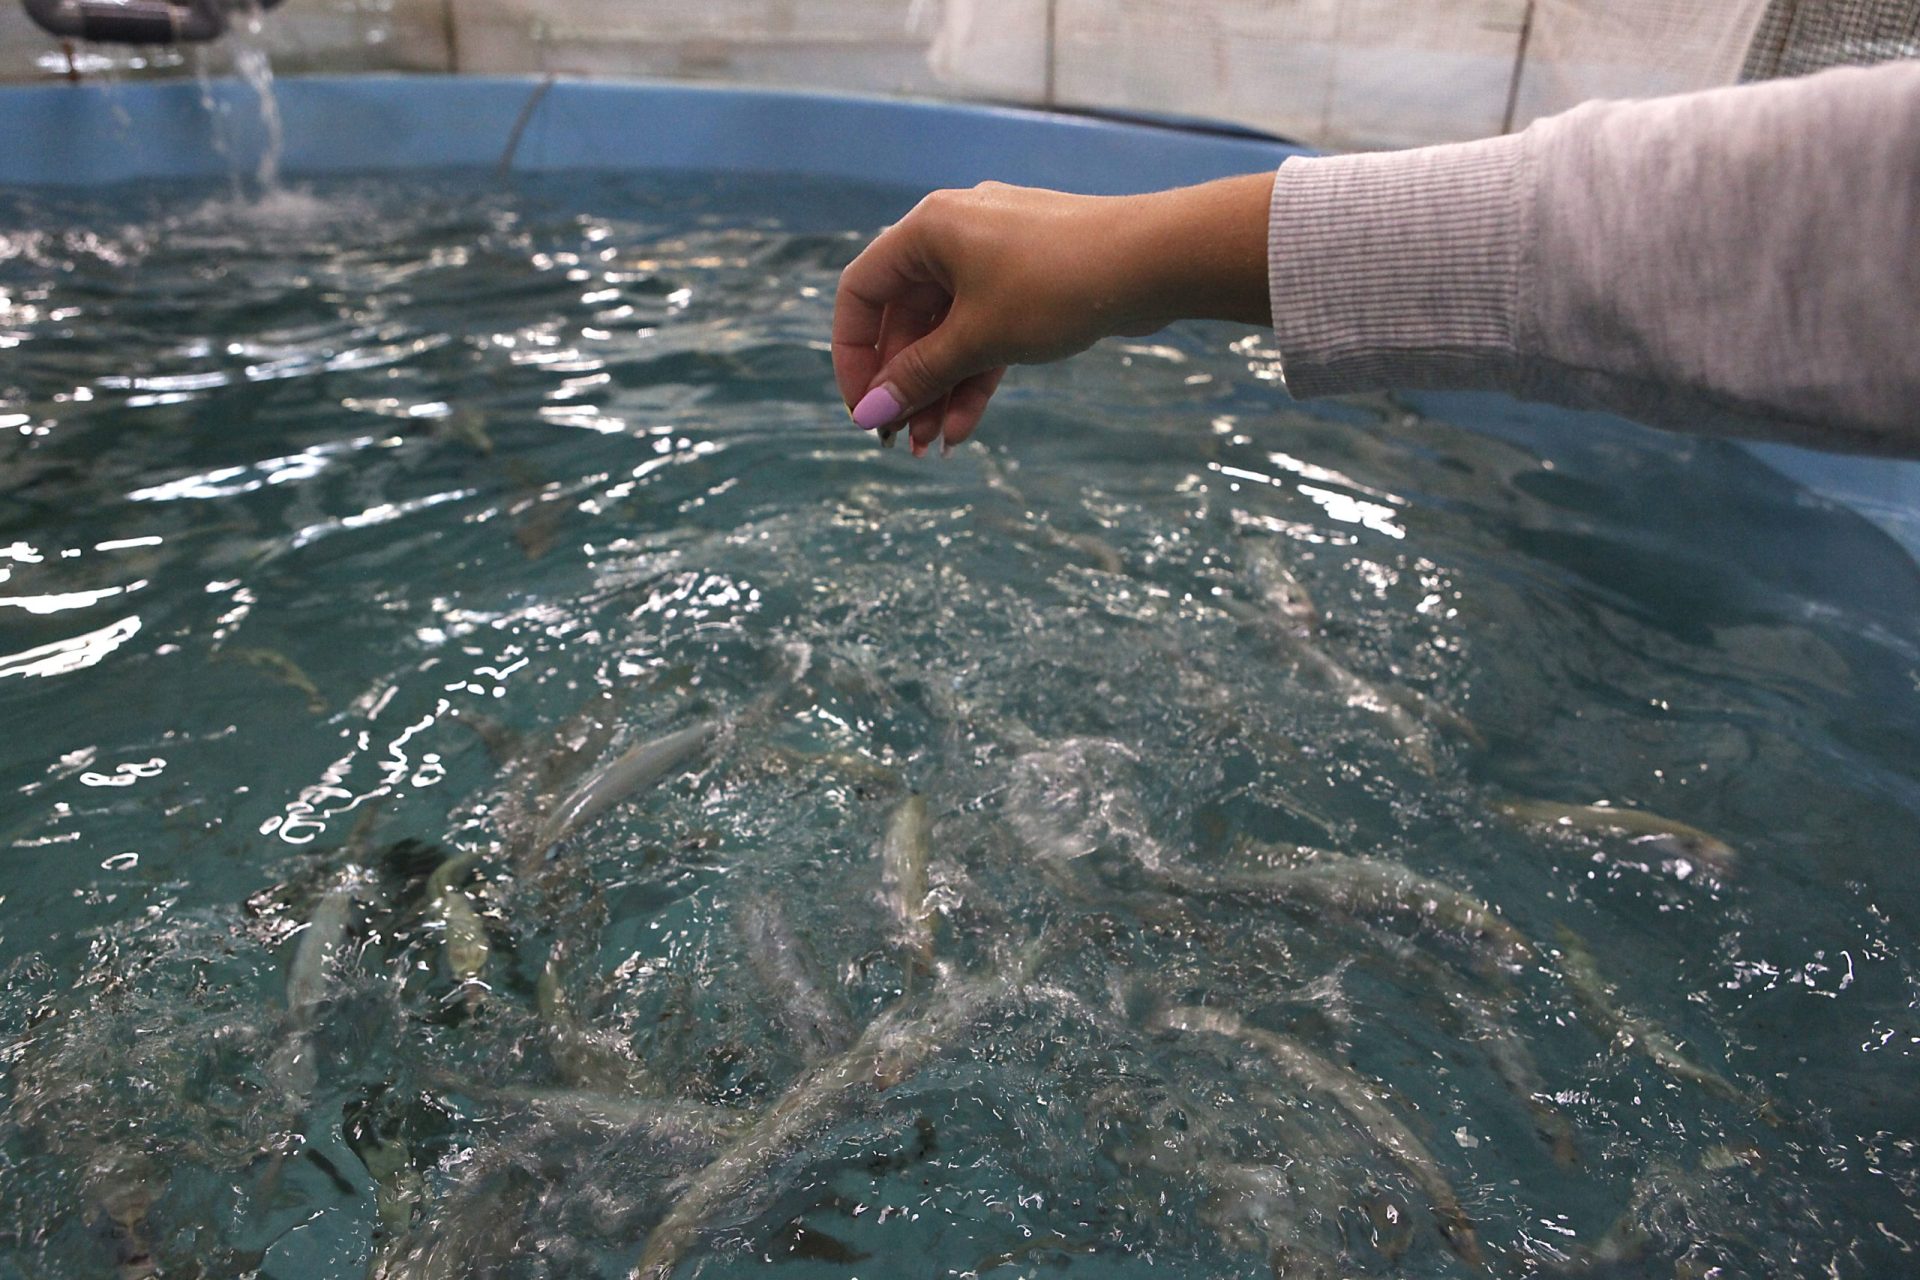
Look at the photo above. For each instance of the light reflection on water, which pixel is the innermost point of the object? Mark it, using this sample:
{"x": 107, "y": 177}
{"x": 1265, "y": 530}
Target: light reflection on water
{"x": 352, "y": 529}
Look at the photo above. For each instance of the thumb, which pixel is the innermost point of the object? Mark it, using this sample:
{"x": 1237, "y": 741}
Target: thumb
{"x": 919, "y": 375}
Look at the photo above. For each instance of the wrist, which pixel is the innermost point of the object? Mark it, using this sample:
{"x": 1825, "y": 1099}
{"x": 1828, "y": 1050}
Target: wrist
{"x": 1200, "y": 253}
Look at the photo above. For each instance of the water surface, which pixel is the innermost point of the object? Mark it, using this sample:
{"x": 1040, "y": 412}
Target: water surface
{"x": 308, "y": 498}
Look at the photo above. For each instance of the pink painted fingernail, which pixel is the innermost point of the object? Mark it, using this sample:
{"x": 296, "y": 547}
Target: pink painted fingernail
{"x": 877, "y": 408}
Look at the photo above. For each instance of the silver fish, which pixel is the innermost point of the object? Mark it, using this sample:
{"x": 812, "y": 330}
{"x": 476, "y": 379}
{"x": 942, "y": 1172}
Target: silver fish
{"x": 467, "y": 947}
{"x": 1411, "y": 735}
{"x": 464, "y": 943}
{"x": 904, "y": 850}
{"x": 1505, "y": 1049}
{"x": 586, "y": 1056}
{"x": 1372, "y": 887}
{"x": 312, "y": 980}
{"x": 1689, "y": 846}
{"x": 1255, "y": 1209}
{"x": 1293, "y": 618}
{"x": 1353, "y": 1095}
{"x": 637, "y": 769}
{"x": 808, "y": 1013}
{"x": 481, "y": 1225}
{"x": 1288, "y": 603}
{"x": 281, "y": 668}
{"x": 892, "y": 1048}
{"x": 677, "y": 1122}
{"x": 1600, "y": 1005}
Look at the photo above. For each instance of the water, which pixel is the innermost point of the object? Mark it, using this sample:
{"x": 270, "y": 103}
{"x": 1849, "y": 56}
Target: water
{"x": 301, "y": 492}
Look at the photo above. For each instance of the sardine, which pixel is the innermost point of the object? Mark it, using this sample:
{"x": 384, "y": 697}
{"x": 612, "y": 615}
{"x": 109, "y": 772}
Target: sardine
{"x": 1371, "y": 887}
{"x": 586, "y": 1057}
{"x": 1254, "y": 1209}
{"x": 677, "y": 1122}
{"x": 1353, "y": 1095}
{"x": 467, "y": 947}
{"x": 904, "y": 850}
{"x": 810, "y": 1015}
{"x": 281, "y": 668}
{"x": 637, "y": 769}
{"x": 1411, "y": 735}
{"x": 1505, "y": 1049}
{"x": 480, "y": 1226}
{"x": 1600, "y": 1005}
{"x": 1689, "y": 846}
{"x": 892, "y": 1048}
{"x": 122, "y": 1191}
{"x": 1103, "y": 554}
{"x": 1288, "y": 604}
{"x": 398, "y": 1188}
{"x": 469, "y": 427}
{"x": 312, "y": 980}
{"x": 463, "y": 941}
{"x": 1291, "y": 616}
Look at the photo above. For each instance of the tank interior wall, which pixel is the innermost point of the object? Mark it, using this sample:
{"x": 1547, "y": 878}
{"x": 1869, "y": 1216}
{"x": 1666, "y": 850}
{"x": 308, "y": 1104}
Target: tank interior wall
{"x": 1330, "y": 73}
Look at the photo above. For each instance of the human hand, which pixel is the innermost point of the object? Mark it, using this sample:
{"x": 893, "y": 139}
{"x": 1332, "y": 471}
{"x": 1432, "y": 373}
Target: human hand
{"x": 929, "y": 316}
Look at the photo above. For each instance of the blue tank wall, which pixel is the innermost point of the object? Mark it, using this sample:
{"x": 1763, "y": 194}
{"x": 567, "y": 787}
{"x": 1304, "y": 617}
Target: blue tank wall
{"x": 93, "y": 133}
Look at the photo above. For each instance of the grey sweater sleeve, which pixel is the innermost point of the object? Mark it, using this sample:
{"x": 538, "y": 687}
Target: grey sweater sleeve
{"x": 1740, "y": 261}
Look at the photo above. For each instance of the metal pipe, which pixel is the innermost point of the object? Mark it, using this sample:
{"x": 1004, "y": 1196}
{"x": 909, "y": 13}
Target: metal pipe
{"x": 135, "y": 21}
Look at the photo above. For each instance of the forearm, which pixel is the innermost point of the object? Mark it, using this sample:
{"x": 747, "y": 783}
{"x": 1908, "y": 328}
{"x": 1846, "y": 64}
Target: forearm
{"x": 1742, "y": 260}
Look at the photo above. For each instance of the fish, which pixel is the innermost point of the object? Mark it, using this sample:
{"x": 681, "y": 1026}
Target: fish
{"x": 1286, "y": 599}
{"x": 469, "y": 427}
{"x": 852, "y": 766}
{"x": 1103, "y": 555}
{"x": 398, "y": 1188}
{"x": 891, "y": 1049}
{"x": 811, "y": 1016}
{"x": 479, "y": 1228}
{"x": 639, "y": 768}
{"x": 312, "y": 980}
{"x": 122, "y": 1190}
{"x": 1289, "y": 613}
{"x": 1413, "y": 736}
{"x": 1506, "y": 1050}
{"x": 1671, "y": 1206}
{"x": 281, "y": 668}
{"x": 1599, "y": 1004}
{"x": 679, "y": 1123}
{"x": 1370, "y": 887}
{"x": 1690, "y": 847}
{"x": 464, "y": 943}
{"x": 586, "y": 1057}
{"x": 904, "y": 849}
{"x": 502, "y": 743}
{"x": 1358, "y": 1099}
{"x": 1254, "y": 1209}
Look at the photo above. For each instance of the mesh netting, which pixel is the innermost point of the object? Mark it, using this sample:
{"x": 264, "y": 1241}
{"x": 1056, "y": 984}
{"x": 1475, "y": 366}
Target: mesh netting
{"x": 1797, "y": 36}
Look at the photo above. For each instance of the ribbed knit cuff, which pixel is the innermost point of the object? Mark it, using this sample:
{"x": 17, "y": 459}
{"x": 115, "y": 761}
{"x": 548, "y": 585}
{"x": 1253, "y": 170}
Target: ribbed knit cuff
{"x": 1399, "y": 268}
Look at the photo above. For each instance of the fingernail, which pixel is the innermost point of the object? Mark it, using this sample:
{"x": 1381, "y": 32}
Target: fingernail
{"x": 877, "y": 408}
{"x": 886, "y": 438}
{"x": 946, "y": 448}
{"x": 920, "y": 448}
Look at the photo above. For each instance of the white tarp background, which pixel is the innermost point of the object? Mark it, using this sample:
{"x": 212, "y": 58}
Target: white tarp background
{"x": 1335, "y": 73}
{"x": 1341, "y": 73}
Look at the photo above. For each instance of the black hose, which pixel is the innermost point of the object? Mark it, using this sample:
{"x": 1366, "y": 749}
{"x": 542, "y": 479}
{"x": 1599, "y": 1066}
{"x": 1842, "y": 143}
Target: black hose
{"x": 135, "y": 21}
